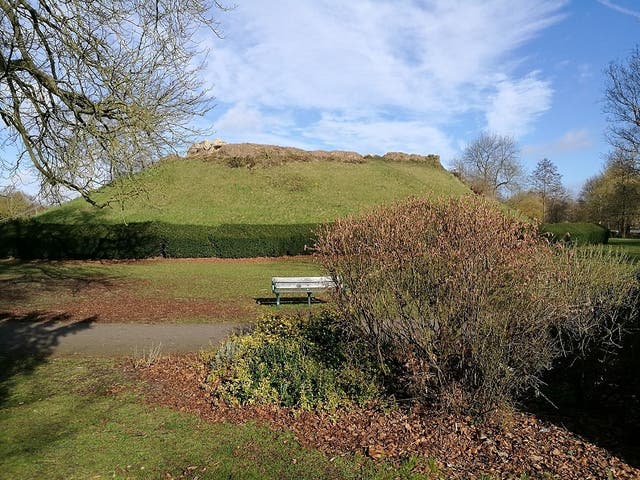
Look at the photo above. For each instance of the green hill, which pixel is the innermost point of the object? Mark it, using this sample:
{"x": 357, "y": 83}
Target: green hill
{"x": 238, "y": 200}
{"x": 254, "y": 184}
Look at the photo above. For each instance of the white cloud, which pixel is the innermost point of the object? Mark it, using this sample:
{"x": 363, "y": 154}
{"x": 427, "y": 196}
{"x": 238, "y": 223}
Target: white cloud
{"x": 620, "y": 9}
{"x": 241, "y": 118}
{"x": 334, "y": 71}
{"x": 242, "y": 123}
{"x": 571, "y": 141}
{"x": 352, "y": 132}
{"x": 380, "y": 136}
{"x": 517, "y": 104}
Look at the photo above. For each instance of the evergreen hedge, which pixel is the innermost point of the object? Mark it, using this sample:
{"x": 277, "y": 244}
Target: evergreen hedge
{"x": 578, "y": 233}
{"x": 30, "y": 239}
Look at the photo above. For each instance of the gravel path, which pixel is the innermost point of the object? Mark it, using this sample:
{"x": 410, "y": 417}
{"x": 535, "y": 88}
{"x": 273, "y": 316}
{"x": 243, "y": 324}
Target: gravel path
{"x": 110, "y": 339}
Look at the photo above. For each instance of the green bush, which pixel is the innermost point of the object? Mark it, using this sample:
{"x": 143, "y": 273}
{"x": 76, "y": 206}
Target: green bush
{"x": 35, "y": 240}
{"x": 576, "y": 233}
{"x": 296, "y": 361}
{"x": 470, "y": 305}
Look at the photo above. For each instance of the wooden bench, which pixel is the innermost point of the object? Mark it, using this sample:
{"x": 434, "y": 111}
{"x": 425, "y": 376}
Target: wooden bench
{"x": 308, "y": 285}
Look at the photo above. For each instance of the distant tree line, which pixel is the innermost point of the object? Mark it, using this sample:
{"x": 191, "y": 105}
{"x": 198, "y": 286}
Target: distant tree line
{"x": 610, "y": 198}
{"x": 490, "y": 165}
{"x": 17, "y": 204}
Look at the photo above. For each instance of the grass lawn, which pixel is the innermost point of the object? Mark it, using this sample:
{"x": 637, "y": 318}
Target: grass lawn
{"x": 80, "y": 418}
{"x": 189, "y": 290}
{"x": 159, "y": 291}
{"x": 630, "y": 246}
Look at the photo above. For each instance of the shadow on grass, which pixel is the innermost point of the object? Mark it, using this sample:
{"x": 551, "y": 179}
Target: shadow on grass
{"x": 598, "y": 402}
{"x": 288, "y": 301}
{"x": 28, "y": 340}
{"x": 23, "y": 281}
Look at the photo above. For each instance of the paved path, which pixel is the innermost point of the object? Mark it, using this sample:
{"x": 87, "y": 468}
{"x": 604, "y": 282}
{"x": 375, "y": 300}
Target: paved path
{"x": 112, "y": 339}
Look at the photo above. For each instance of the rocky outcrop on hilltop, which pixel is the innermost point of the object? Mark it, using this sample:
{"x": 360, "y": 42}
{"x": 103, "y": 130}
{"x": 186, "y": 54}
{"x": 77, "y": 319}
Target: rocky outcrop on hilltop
{"x": 253, "y": 155}
{"x": 205, "y": 147}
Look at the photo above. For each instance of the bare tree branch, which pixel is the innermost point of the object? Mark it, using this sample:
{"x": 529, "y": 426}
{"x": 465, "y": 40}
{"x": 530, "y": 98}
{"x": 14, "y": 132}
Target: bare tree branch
{"x": 547, "y": 184}
{"x": 622, "y": 104}
{"x": 490, "y": 164}
{"x": 93, "y": 91}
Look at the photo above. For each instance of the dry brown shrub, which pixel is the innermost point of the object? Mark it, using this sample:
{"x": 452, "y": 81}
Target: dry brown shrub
{"x": 469, "y": 303}
{"x": 412, "y": 157}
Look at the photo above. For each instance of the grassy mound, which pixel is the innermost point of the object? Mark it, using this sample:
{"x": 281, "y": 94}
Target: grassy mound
{"x": 263, "y": 185}
{"x": 241, "y": 200}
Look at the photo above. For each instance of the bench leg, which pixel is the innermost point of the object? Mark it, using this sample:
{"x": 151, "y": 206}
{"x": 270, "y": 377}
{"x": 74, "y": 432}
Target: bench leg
{"x": 277, "y": 299}
{"x": 309, "y": 298}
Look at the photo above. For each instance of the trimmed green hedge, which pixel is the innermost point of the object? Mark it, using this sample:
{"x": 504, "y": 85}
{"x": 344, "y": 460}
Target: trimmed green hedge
{"x": 578, "y": 233}
{"x": 35, "y": 240}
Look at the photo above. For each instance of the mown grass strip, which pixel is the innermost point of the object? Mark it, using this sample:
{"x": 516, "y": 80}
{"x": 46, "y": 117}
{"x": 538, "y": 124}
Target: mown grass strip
{"x": 630, "y": 246}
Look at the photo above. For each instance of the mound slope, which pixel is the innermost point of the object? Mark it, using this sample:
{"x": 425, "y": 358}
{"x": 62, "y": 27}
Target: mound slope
{"x": 266, "y": 184}
{"x": 234, "y": 201}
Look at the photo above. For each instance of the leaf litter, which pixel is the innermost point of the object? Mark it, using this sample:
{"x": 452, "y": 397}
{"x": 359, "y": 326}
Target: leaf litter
{"x": 507, "y": 445}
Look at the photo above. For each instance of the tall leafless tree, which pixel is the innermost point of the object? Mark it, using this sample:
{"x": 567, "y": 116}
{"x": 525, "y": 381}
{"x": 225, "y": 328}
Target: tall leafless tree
{"x": 93, "y": 90}
{"x": 490, "y": 164}
{"x": 547, "y": 184}
{"x": 622, "y": 103}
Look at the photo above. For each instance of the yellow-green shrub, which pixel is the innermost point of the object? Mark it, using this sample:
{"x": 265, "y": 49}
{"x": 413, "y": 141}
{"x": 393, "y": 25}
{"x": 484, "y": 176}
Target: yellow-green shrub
{"x": 293, "y": 360}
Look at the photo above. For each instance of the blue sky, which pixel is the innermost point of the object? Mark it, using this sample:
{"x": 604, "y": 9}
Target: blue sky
{"x": 421, "y": 76}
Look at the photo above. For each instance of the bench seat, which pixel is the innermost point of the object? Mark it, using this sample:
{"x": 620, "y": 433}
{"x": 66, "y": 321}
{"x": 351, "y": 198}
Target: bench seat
{"x": 308, "y": 285}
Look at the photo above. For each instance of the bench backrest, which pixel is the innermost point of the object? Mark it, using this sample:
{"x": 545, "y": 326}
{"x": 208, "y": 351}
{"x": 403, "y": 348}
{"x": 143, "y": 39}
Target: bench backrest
{"x": 299, "y": 284}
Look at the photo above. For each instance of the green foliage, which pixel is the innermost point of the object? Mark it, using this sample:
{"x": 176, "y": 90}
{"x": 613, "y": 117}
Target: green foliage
{"x": 576, "y": 233}
{"x": 612, "y": 198}
{"x": 34, "y": 239}
{"x": 469, "y": 303}
{"x": 16, "y": 204}
{"x": 527, "y": 203}
{"x": 295, "y": 361}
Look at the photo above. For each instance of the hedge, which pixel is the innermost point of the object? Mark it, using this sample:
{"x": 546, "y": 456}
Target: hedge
{"x": 578, "y": 233}
{"x": 31, "y": 239}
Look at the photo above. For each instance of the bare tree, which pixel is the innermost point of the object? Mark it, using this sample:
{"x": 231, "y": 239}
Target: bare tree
{"x": 490, "y": 164}
{"x": 547, "y": 184}
{"x": 93, "y": 90}
{"x": 622, "y": 103}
